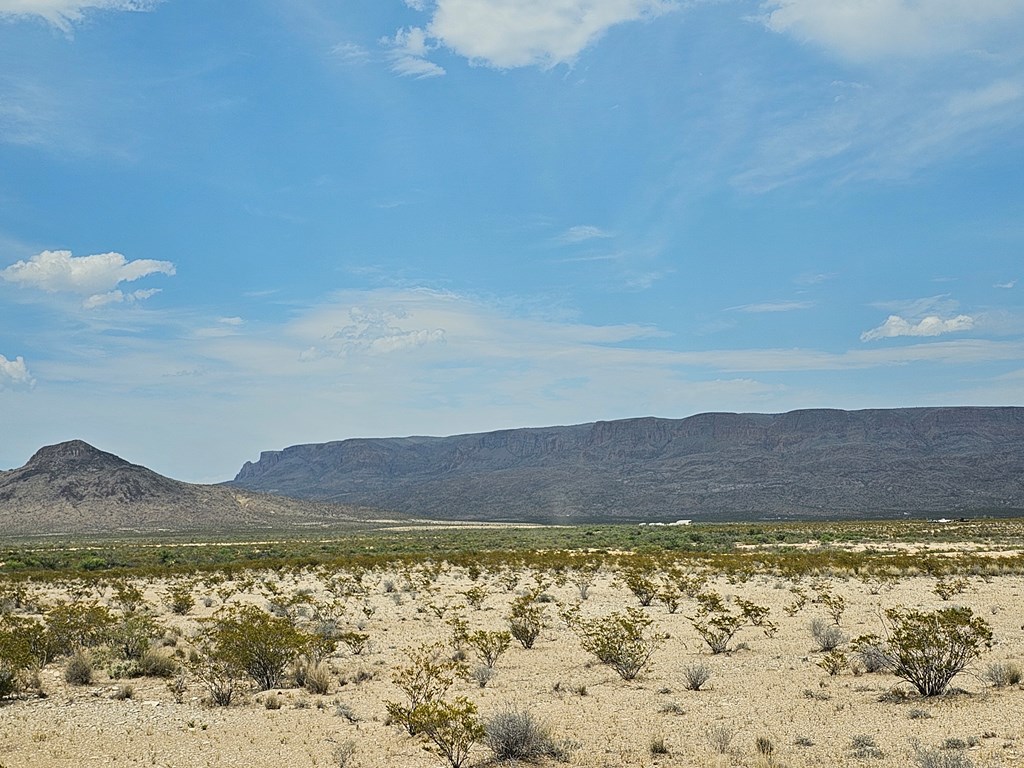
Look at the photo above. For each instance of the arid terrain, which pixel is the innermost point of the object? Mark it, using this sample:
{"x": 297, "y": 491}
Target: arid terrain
{"x": 768, "y": 700}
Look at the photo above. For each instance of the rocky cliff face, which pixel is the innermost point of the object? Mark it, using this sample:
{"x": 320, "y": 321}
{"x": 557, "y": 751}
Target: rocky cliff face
{"x": 73, "y": 487}
{"x": 820, "y": 463}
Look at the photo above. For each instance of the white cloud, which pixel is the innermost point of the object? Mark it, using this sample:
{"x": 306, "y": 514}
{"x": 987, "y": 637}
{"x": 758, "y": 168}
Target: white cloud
{"x": 408, "y": 51}
{"x": 65, "y": 13}
{"x": 14, "y": 373}
{"x": 95, "y": 277}
{"x": 582, "y": 233}
{"x": 1007, "y": 285}
{"x": 932, "y": 325}
{"x": 874, "y": 29}
{"x": 519, "y": 33}
{"x": 773, "y": 306}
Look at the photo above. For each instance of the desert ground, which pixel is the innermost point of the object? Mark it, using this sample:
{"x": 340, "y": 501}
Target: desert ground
{"x": 768, "y": 701}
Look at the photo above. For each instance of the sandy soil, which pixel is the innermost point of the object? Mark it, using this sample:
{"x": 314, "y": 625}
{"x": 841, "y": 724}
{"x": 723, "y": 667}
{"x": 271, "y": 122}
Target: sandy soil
{"x": 772, "y": 688}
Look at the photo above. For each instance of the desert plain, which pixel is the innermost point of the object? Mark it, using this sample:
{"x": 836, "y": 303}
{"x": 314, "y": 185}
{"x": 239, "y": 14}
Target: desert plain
{"x": 768, "y": 701}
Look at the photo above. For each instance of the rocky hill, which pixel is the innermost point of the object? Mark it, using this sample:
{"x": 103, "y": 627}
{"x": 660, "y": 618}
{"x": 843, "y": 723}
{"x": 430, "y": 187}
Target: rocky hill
{"x": 809, "y": 463}
{"x": 75, "y": 488}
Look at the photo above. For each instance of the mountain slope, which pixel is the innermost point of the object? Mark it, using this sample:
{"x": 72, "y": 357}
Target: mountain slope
{"x": 820, "y": 463}
{"x": 73, "y": 487}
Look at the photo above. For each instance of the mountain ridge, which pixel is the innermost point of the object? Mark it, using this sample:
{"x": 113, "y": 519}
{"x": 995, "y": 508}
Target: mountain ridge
{"x": 804, "y": 463}
{"x": 75, "y": 488}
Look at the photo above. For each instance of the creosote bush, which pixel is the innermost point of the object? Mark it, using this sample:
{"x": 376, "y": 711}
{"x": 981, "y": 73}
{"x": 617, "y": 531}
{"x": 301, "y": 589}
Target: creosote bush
{"x": 425, "y": 679}
{"x": 526, "y": 619}
{"x": 623, "y": 641}
{"x": 250, "y": 641}
{"x": 452, "y": 728}
{"x": 489, "y": 645}
{"x": 928, "y": 649}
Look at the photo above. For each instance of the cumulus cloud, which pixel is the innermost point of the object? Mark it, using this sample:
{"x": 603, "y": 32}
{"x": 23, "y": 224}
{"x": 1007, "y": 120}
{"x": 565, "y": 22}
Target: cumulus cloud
{"x": 94, "y": 277}
{"x": 63, "y": 14}
{"x": 873, "y": 29}
{"x": 518, "y": 33}
{"x": 14, "y": 373}
{"x": 932, "y": 325}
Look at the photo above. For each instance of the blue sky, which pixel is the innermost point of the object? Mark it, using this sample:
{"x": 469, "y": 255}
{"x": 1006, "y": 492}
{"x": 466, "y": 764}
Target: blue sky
{"x": 228, "y": 227}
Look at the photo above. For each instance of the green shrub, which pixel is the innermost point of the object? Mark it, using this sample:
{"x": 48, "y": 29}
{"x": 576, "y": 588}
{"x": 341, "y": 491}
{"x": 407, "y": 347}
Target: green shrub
{"x": 452, "y": 727}
{"x": 130, "y": 635}
{"x": 929, "y": 649}
{"x": 72, "y": 626}
{"x": 526, "y": 619}
{"x": 621, "y": 640}
{"x": 180, "y": 599}
{"x": 16, "y": 658}
{"x": 489, "y": 645}
{"x": 715, "y": 623}
{"x": 428, "y": 675}
{"x": 154, "y": 663}
{"x": 254, "y": 643}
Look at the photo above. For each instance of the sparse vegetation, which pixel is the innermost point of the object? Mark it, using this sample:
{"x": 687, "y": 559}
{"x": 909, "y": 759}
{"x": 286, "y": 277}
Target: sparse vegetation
{"x": 623, "y": 641}
{"x": 930, "y": 649}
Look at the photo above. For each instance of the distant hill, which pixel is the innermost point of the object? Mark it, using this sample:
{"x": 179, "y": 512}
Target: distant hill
{"x": 73, "y": 487}
{"x": 714, "y": 466}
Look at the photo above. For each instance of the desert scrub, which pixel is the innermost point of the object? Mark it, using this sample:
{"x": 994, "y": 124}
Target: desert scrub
{"x": 640, "y": 584}
{"x": 130, "y": 635}
{"x": 71, "y": 626}
{"x": 79, "y": 669}
{"x": 489, "y": 645}
{"x": 526, "y": 619}
{"x": 1002, "y": 674}
{"x": 929, "y": 649}
{"x": 827, "y": 637}
{"x": 254, "y": 643}
{"x": 424, "y": 679}
{"x": 717, "y": 624}
{"x": 451, "y": 727}
{"x": 16, "y": 658}
{"x": 833, "y": 662}
{"x": 623, "y": 641}
{"x": 515, "y": 734}
{"x": 696, "y": 676}
{"x": 179, "y": 598}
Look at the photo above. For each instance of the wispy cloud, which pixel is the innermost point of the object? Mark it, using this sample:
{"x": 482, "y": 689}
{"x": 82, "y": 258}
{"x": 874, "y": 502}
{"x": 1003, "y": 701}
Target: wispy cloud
{"x": 350, "y": 53}
{"x": 64, "y": 14}
{"x": 773, "y": 306}
{"x": 861, "y": 30}
{"x": 581, "y": 234}
{"x": 93, "y": 277}
{"x": 1007, "y": 285}
{"x": 408, "y": 51}
{"x": 14, "y": 373}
